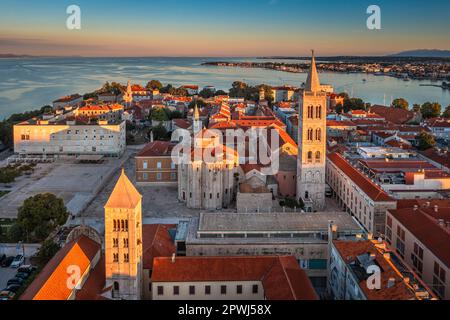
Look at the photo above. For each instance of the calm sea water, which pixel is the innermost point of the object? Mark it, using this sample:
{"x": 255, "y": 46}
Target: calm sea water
{"x": 27, "y": 84}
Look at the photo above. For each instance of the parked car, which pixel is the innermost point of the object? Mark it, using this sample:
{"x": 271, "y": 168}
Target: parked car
{"x": 7, "y": 262}
{"x": 26, "y": 268}
{"x": 2, "y": 257}
{"x": 15, "y": 280}
{"x": 22, "y": 275}
{"x": 18, "y": 261}
{"x": 7, "y": 295}
{"x": 12, "y": 288}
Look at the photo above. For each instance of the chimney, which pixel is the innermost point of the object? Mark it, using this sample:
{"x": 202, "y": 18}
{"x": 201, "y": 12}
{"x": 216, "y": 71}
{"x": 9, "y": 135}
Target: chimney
{"x": 173, "y": 257}
{"x": 436, "y": 208}
{"x": 416, "y": 207}
{"x": 441, "y": 222}
{"x": 391, "y": 282}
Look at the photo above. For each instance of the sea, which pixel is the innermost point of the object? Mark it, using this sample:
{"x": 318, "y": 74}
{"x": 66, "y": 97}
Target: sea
{"x": 30, "y": 83}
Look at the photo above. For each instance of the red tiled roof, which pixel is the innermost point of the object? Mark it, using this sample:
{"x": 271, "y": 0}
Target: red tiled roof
{"x": 423, "y": 224}
{"x": 51, "y": 282}
{"x": 95, "y": 283}
{"x": 281, "y": 277}
{"x": 394, "y": 115}
{"x": 363, "y": 182}
{"x": 434, "y": 155}
{"x": 157, "y": 149}
{"x": 156, "y": 242}
{"x": 343, "y": 123}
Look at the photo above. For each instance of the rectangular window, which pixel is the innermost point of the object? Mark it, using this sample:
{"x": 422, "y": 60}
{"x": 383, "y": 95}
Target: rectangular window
{"x": 191, "y": 290}
{"x": 160, "y": 290}
{"x": 223, "y": 289}
{"x": 239, "y": 289}
{"x": 207, "y": 290}
{"x": 159, "y": 165}
{"x": 159, "y": 176}
{"x": 144, "y": 176}
{"x": 255, "y": 289}
{"x": 145, "y": 164}
{"x": 176, "y": 290}
{"x": 173, "y": 176}
{"x": 172, "y": 165}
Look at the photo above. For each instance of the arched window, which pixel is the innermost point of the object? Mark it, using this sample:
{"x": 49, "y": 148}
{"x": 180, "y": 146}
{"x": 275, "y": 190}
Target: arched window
{"x": 310, "y": 112}
{"x": 319, "y": 112}
{"x": 310, "y": 156}
{"x": 126, "y": 225}
{"x": 319, "y": 134}
{"x": 115, "y": 225}
{"x": 318, "y": 156}
{"x": 122, "y": 223}
{"x": 306, "y": 195}
{"x": 310, "y": 134}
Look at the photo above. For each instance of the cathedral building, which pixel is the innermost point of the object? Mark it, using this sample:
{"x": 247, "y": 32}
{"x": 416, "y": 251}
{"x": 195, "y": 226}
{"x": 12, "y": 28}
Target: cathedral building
{"x": 312, "y": 142}
{"x": 208, "y": 183}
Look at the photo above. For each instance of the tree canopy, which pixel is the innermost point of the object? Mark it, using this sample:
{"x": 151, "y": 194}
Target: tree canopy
{"x": 426, "y": 141}
{"x": 40, "y": 215}
{"x": 159, "y": 114}
{"x": 154, "y": 84}
{"x": 400, "y": 103}
{"x": 446, "y": 113}
{"x": 430, "y": 110}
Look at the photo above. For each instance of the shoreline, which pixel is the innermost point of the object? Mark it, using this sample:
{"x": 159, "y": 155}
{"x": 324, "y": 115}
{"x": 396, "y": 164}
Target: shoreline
{"x": 303, "y": 68}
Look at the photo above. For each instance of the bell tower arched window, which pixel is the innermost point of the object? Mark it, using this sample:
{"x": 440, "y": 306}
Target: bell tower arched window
{"x": 310, "y": 134}
{"x": 319, "y": 134}
{"x": 319, "y": 112}
{"x": 310, "y": 157}
{"x": 318, "y": 157}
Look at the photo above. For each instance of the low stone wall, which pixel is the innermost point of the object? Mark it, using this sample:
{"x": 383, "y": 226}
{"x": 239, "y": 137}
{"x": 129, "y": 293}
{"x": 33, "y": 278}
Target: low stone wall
{"x": 12, "y": 249}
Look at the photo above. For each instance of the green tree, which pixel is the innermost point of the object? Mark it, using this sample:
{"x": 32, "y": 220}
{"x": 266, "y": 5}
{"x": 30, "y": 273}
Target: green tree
{"x": 220, "y": 93}
{"x": 159, "y": 114}
{"x": 159, "y": 133}
{"x": 426, "y": 141}
{"x": 175, "y": 115}
{"x": 47, "y": 251}
{"x": 16, "y": 233}
{"x": 200, "y": 104}
{"x": 40, "y": 215}
{"x": 400, "y": 103}
{"x": 206, "y": 93}
{"x": 446, "y": 113}
{"x": 354, "y": 104}
{"x": 430, "y": 110}
{"x": 154, "y": 84}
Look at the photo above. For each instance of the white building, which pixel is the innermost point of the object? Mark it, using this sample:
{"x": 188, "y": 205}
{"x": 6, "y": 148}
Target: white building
{"x": 69, "y": 136}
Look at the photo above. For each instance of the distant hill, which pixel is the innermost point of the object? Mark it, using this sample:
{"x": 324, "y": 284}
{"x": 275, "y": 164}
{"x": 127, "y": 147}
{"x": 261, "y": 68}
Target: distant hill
{"x": 11, "y": 55}
{"x": 424, "y": 53}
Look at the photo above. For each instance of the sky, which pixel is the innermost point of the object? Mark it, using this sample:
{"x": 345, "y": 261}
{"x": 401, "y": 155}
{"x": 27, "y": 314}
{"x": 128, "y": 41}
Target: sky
{"x": 222, "y": 28}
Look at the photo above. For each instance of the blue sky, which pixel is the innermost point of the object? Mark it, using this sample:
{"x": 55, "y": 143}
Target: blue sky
{"x": 222, "y": 28}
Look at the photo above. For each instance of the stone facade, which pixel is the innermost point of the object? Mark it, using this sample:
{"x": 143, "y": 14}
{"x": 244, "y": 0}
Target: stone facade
{"x": 123, "y": 241}
{"x": 312, "y": 143}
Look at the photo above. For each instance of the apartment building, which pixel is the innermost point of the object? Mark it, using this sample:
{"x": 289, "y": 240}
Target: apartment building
{"x": 368, "y": 270}
{"x": 421, "y": 235}
{"x": 358, "y": 194}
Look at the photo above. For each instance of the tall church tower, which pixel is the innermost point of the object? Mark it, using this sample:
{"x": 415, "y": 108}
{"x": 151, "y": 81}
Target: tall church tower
{"x": 312, "y": 142}
{"x": 123, "y": 241}
{"x": 128, "y": 95}
{"x": 197, "y": 122}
